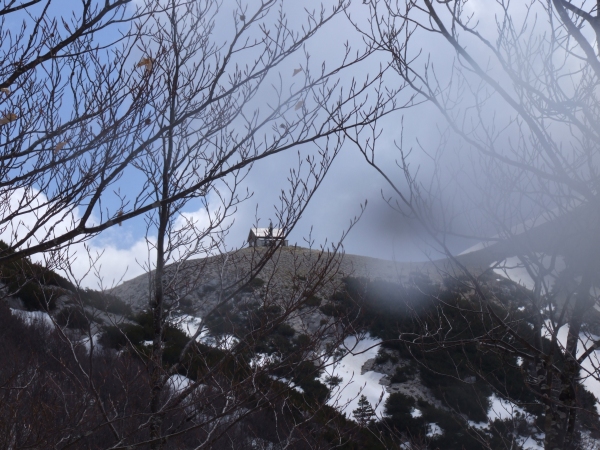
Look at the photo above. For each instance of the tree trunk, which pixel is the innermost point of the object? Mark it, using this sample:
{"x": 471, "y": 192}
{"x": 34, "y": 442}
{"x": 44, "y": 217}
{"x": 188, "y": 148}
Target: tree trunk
{"x": 560, "y": 427}
{"x": 157, "y": 376}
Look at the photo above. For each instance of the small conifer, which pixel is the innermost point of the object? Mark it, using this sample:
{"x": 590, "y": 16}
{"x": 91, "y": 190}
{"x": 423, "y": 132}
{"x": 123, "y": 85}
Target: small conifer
{"x": 364, "y": 414}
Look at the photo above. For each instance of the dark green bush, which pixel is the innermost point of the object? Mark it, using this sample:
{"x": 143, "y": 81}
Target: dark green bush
{"x": 285, "y": 330}
{"x": 383, "y": 357}
{"x": 398, "y": 409}
{"x": 403, "y": 374}
{"x": 254, "y": 283}
{"x": 313, "y": 301}
{"x": 73, "y": 317}
{"x": 105, "y": 302}
{"x": 225, "y": 320}
{"x": 118, "y": 337}
{"x": 208, "y": 288}
{"x": 35, "y": 297}
{"x": 28, "y": 281}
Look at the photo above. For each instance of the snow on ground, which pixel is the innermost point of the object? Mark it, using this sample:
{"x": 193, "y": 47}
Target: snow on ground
{"x": 503, "y": 409}
{"x": 354, "y": 384}
{"x": 262, "y": 359}
{"x": 288, "y": 382}
{"x": 433, "y": 429}
{"x": 190, "y": 325}
{"x": 86, "y": 341}
{"x": 178, "y": 383}
{"x": 33, "y": 317}
{"x": 590, "y": 365}
{"x": 223, "y": 342}
{"x": 531, "y": 444}
{"x": 514, "y": 269}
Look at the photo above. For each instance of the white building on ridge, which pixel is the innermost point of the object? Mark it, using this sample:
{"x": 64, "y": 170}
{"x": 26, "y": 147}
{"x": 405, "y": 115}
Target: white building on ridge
{"x": 266, "y": 237}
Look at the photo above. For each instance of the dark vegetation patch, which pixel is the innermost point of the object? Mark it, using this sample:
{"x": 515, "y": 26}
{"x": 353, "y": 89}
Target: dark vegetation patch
{"x": 105, "y": 302}
{"x": 39, "y": 287}
{"x": 282, "y": 341}
{"x": 399, "y": 416}
{"x": 452, "y": 371}
{"x": 186, "y": 305}
{"x": 386, "y": 309}
{"x": 32, "y": 283}
{"x": 313, "y": 301}
{"x": 383, "y": 309}
{"x": 136, "y": 334}
{"x": 72, "y": 317}
{"x": 262, "y": 329}
{"x": 123, "y": 381}
{"x": 253, "y": 284}
{"x": 404, "y": 374}
{"x": 383, "y": 356}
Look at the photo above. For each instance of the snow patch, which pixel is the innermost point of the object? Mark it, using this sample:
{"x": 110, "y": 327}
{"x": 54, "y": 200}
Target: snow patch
{"x": 531, "y": 444}
{"x": 589, "y": 366}
{"x": 514, "y": 269}
{"x": 191, "y": 324}
{"x": 345, "y": 396}
{"x": 433, "y": 429}
{"x": 503, "y": 409}
{"x": 519, "y": 361}
{"x": 86, "y": 341}
{"x": 178, "y": 383}
{"x": 33, "y": 318}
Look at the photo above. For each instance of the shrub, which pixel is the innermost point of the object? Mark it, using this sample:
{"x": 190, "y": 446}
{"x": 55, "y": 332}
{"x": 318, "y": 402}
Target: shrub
{"x": 27, "y": 281}
{"x": 34, "y": 296}
{"x": 398, "y": 409}
{"x": 383, "y": 357}
{"x": 105, "y": 302}
{"x": 254, "y": 283}
{"x": 403, "y": 374}
{"x": 73, "y": 317}
{"x": 285, "y": 330}
{"x": 313, "y": 301}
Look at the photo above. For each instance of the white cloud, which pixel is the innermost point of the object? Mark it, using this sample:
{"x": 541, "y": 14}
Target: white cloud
{"x": 118, "y": 254}
{"x": 101, "y": 267}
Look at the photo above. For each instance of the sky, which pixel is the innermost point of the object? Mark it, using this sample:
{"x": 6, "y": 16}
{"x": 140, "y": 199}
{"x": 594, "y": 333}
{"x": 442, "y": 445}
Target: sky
{"x": 121, "y": 253}
{"x": 381, "y": 232}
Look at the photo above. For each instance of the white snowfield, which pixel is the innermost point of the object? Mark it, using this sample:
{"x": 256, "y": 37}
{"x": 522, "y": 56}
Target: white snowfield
{"x": 35, "y": 318}
{"x": 190, "y": 326}
{"x": 354, "y": 384}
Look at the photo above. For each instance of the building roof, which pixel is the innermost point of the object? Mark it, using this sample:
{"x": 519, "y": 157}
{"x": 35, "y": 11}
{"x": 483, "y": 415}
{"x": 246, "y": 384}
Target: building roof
{"x": 264, "y": 232}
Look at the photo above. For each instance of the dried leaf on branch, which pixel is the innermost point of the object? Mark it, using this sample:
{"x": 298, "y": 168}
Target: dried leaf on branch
{"x": 145, "y": 62}
{"x": 59, "y": 146}
{"x": 8, "y": 117}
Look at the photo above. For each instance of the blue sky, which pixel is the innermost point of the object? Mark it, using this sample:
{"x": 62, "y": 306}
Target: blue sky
{"x": 380, "y": 233}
